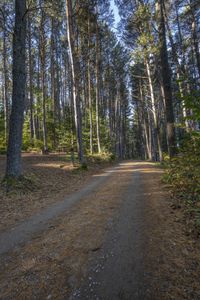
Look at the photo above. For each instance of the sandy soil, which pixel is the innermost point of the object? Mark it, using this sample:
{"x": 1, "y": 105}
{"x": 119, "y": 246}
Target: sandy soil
{"x": 124, "y": 232}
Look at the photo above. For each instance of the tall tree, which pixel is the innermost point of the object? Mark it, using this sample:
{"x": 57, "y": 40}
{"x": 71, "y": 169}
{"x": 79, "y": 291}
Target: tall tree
{"x": 43, "y": 78}
{"x": 166, "y": 79}
{"x": 75, "y": 69}
{"x": 14, "y": 167}
{"x": 97, "y": 82}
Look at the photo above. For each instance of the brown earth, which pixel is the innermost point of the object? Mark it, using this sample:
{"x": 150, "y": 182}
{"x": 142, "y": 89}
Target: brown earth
{"x": 54, "y": 178}
{"x": 129, "y": 216}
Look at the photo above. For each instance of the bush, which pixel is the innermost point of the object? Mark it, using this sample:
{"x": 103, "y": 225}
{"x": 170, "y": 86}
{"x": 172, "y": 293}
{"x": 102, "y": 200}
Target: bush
{"x": 3, "y": 150}
{"x": 112, "y": 157}
{"x": 183, "y": 171}
{"x": 102, "y": 157}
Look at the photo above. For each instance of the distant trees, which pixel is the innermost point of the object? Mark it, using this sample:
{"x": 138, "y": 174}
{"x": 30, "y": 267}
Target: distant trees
{"x": 162, "y": 36}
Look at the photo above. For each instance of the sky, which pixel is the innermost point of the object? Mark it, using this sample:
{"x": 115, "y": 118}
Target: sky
{"x": 116, "y": 14}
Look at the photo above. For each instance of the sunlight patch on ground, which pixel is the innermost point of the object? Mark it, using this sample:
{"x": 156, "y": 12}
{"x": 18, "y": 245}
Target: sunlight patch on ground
{"x": 135, "y": 170}
{"x": 121, "y": 170}
{"x": 132, "y": 163}
{"x": 148, "y": 170}
{"x": 129, "y": 167}
{"x": 101, "y": 175}
{"x": 54, "y": 165}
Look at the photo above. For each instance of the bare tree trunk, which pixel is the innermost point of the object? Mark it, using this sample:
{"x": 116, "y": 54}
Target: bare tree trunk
{"x": 89, "y": 90}
{"x": 30, "y": 79}
{"x": 14, "y": 166}
{"x": 150, "y": 136}
{"x": 75, "y": 78}
{"x": 146, "y": 137}
{"x": 180, "y": 70}
{"x": 58, "y": 78}
{"x": 43, "y": 81}
{"x": 166, "y": 81}
{"x": 117, "y": 121}
{"x": 97, "y": 88}
{"x": 5, "y": 78}
{"x": 37, "y": 121}
{"x": 53, "y": 84}
{"x": 5, "y": 71}
{"x": 153, "y": 104}
{"x": 196, "y": 44}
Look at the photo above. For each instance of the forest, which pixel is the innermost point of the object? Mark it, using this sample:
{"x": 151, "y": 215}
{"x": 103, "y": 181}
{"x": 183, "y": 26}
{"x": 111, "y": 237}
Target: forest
{"x": 72, "y": 81}
{"x": 100, "y": 149}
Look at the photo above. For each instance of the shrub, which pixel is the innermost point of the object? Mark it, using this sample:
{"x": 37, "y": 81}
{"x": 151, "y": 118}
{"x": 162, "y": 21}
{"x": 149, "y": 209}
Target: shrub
{"x": 3, "y": 150}
{"x": 183, "y": 171}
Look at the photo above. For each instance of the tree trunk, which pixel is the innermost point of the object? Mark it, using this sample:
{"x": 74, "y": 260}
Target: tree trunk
{"x": 14, "y": 166}
{"x": 43, "y": 81}
{"x": 143, "y": 119}
{"x": 30, "y": 79}
{"x": 53, "y": 84}
{"x": 75, "y": 78}
{"x": 166, "y": 80}
{"x": 153, "y": 104}
{"x": 180, "y": 70}
{"x": 5, "y": 90}
{"x": 97, "y": 88}
{"x": 37, "y": 119}
{"x": 89, "y": 90}
{"x": 196, "y": 44}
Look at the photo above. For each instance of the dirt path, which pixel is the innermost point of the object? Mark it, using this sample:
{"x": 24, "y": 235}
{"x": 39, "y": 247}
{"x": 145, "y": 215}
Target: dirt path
{"x": 53, "y": 179}
{"x": 115, "y": 239}
{"x": 24, "y": 231}
{"x": 118, "y": 271}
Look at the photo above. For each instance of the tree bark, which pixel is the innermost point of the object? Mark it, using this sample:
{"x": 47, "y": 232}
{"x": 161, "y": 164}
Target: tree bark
{"x": 145, "y": 126}
{"x": 166, "y": 80}
{"x": 5, "y": 90}
{"x": 89, "y": 90}
{"x": 53, "y": 83}
{"x": 181, "y": 70}
{"x": 153, "y": 104}
{"x": 97, "y": 88}
{"x": 14, "y": 166}
{"x": 30, "y": 79}
{"x": 196, "y": 44}
{"x": 75, "y": 78}
{"x": 43, "y": 81}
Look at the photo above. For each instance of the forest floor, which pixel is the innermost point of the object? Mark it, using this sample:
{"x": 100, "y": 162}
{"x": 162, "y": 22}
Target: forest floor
{"x": 121, "y": 240}
{"x": 53, "y": 177}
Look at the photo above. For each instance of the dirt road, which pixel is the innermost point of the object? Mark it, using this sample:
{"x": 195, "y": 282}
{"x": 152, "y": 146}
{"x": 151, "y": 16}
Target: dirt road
{"x": 23, "y": 232}
{"x": 118, "y": 271}
{"x": 116, "y": 238}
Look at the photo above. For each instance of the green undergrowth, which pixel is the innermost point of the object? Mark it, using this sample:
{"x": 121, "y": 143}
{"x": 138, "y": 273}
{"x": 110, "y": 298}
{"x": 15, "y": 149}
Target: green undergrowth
{"x": 93, "y": 160}
{"x": 80, "y": 167}
{"x": 182, "y": 173}
{"x": 102, "y": 157}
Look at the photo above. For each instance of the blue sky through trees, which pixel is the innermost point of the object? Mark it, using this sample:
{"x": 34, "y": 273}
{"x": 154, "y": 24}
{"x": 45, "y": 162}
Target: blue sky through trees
{"x": 116, "y": 14}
